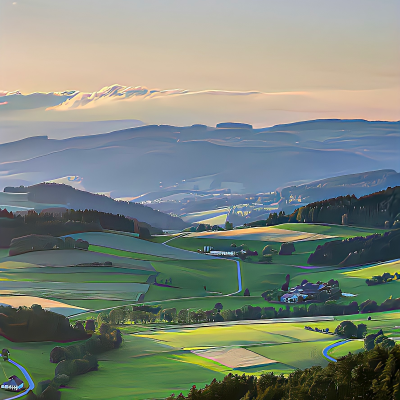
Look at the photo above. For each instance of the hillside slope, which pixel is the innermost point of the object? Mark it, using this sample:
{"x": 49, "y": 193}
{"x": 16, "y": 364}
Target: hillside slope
{"x": 81, "y": 200}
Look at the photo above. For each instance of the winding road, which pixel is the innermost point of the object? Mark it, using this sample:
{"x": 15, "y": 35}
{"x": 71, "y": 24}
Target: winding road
{"x": 331, "y": 346}
{"x": 27, "y": 378}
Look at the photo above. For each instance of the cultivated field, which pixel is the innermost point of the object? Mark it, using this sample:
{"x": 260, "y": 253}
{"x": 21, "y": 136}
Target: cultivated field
{"x": 132, "y": 244}
{"x": 267, "y": 233}
{"x": 379, "y": 269}
{"x": 331, "y": 230}
{"x": 212, "y": 217}
{"x": 63, "y": 258}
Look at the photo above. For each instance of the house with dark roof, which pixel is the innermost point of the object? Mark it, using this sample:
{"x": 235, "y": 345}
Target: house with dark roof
{"x": 14, "y": 384}
{"x": 231, "y": 251}
{"x": 311, "y": 291}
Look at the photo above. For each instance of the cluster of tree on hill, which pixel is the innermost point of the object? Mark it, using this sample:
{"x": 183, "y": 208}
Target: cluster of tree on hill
{"x": 77, "y": 359}
{"x": 66, "y": 223}
{"x": 379, "y": 338}
{"x": 372, "y": 375}
{"x": 34, "y": 324}
{"x": 148, "y": 314}
{"x": 273, "y": 219}
{"x": 358, "y": 250}
{"x": 80, "y": 200}
{"x": 350, "y": 330}
{"x": 15, "y": 227}
{"x": 26, "y": 244}
{"x": 380, "y": 209}
{"x": 114, "y": 222}
{"x": 384, "y": 278}
{"x": 204, "y": 228}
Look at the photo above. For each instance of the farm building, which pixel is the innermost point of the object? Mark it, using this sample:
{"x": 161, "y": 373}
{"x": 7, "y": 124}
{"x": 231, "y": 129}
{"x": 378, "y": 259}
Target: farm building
{"x": 231, "y": 251}
{"x": 223, "y": 251}
{"x": 312, "y": 291}
{"x": 290, "y": 298}
{"x": 13, "y": 384}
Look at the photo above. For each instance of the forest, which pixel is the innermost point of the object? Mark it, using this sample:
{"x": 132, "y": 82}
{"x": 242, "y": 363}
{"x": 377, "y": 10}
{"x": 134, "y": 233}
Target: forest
{"x": 373, "y": 375}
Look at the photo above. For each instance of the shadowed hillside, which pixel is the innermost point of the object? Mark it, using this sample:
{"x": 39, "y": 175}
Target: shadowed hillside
{"x": 81, "y": 200}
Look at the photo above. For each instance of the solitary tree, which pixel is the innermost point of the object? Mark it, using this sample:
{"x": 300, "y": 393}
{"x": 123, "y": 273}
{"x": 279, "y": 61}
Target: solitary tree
{"x": 246, "y": 292}
{"x": 90, "y": 326}
{"x": 219, "y": 307}
{"x": 285, "y": 286}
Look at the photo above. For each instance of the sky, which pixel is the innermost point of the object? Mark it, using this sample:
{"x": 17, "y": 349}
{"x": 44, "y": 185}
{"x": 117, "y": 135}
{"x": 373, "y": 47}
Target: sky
{"x": 323, "y": 58}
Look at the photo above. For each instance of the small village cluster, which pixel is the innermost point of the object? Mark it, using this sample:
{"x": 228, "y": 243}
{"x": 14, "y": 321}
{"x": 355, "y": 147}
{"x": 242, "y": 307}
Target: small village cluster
{"x": 319, "y": 291}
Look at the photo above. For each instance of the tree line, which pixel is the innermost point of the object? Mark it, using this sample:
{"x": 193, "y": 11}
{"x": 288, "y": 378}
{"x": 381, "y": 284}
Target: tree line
{"x": 380, "y": 209}
{"x": 358, "y": 250}
{"x": 151, "y": 314}
{"x": 34, "y": 324}
{"x": 71, "y": 221}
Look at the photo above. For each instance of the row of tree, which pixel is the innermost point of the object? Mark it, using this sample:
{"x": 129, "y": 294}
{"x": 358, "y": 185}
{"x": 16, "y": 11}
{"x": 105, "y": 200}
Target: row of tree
{"x": 384, "y": 278}
{"x": 149, "y": 314}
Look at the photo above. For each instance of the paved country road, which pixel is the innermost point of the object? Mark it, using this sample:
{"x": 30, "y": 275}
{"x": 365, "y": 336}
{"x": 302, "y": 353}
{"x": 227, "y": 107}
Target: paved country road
{"x": 331, "y": 346}
{"x": 27, "y": 377}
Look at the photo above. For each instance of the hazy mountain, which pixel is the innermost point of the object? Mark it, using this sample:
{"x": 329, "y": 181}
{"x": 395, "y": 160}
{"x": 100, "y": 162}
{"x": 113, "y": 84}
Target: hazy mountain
{"x": 135, "y": 161}
{"x": 357, "y": 184}
{"x": 17, "y": 130}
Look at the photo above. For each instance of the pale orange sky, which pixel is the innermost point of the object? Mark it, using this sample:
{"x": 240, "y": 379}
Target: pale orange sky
{"x": 324, "y": 48}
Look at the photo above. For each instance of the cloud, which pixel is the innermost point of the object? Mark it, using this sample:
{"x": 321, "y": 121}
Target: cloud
{"x": 183, "y": 107}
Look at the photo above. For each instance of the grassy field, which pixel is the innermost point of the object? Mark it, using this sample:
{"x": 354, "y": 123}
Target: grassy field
{"x": 154, "y": 366}
{"x": 379, "y": 269}
{"x": 63, "y": 258}
{"x": 355, "y": 346}
{"x": 33, "y": 356}
{"x": 135, "y": 245}
{"x": 143, "y": 369}
{"x": 124, "y": 253}
{"x": 134, "y": 261}
{"x": 212, "y": 217}
{"x": 296, "y": 355}
{"x": 236, "y": 335}
{"x": 331, "y": 230}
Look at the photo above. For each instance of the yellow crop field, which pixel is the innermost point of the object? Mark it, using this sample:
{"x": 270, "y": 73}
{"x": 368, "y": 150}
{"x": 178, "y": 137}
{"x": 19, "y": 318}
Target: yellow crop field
{"x": 265, "y": 233}
{"x": 379, "y": 269}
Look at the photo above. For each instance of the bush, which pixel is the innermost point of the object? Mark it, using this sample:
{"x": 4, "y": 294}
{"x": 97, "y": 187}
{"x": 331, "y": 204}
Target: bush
{"x": 287, "y": 249}
{"x": 61, "y": 380}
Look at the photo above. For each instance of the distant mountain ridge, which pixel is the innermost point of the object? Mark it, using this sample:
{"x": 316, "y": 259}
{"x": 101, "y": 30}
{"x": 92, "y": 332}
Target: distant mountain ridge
{"x": 131, "y": 162}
